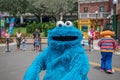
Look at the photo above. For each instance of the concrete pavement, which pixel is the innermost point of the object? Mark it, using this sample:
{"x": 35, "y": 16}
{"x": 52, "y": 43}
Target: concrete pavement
{"x": 14, "y": 64}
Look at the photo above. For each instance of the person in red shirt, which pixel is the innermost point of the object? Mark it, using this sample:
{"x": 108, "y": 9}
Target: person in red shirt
{"x": 91, "y": 35}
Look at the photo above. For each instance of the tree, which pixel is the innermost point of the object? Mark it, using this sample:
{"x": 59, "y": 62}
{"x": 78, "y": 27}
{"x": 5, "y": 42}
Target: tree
{"x": 13, "y": 7}
{"x": 56, "y": 8}
{"x": 59, "y": 7}
{"x": 37, "y": 7}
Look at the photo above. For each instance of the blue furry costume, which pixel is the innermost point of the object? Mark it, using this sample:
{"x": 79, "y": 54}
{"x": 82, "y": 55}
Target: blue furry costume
{"x": 64, "y": 58}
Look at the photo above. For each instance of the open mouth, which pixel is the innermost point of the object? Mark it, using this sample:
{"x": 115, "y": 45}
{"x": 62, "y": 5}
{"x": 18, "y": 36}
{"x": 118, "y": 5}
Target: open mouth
{"x": 64, "y": 38}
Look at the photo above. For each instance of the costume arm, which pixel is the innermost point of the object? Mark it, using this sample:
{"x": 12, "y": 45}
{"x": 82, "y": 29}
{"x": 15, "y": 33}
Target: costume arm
{"x": 99, "y": 43}
{"x": 115, "y": 45}
{"x": 35, "y": 68}
{"x": 78, "y": 69}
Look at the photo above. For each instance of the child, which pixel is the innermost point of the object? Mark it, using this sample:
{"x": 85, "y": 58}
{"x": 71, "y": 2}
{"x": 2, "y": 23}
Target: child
{"x": 23, "y": 43}
{"x": 37, "y": 43}
{"x": 82, "y": 41}
{"x": 107, "y": 46}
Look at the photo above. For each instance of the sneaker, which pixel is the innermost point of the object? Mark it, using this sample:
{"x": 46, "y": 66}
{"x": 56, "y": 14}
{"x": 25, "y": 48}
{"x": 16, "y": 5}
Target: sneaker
{"x": 110, "y": 71}
{"x": 101, "y": 69}
{"x": 91, "y": 50}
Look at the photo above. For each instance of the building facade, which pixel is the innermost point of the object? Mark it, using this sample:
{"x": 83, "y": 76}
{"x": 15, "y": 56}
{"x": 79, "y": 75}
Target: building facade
{"x": 93, "y": 13}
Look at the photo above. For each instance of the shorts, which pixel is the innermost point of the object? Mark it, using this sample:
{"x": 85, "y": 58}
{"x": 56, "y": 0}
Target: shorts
{"x": 90, "y": 41}
{"x": 18, "y": 40}
{"x": 7, "y": 40}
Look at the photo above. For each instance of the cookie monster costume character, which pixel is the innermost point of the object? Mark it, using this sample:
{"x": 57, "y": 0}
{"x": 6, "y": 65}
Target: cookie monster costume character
{"x": 107, "y": 46}
{"x": 64, "y": 58}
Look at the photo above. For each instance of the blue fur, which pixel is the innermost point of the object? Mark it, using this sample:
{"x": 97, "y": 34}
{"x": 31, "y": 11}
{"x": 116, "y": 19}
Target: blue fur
{"x": 62, "y": 60}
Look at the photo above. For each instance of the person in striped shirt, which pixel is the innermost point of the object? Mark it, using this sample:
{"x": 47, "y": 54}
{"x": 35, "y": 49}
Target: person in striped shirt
{"x": 107, "y": 46}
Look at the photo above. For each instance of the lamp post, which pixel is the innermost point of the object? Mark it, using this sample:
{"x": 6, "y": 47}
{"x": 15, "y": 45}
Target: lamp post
{"x": 109, "y": 23}
{"x": 96, "y": 13}
{"x": 115, "y": 19}
{"x": 109, "y": 17}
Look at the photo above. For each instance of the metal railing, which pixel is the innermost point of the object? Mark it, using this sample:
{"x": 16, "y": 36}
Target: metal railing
{"x": 93, "y": 15}
{"x": 91, "y": 1}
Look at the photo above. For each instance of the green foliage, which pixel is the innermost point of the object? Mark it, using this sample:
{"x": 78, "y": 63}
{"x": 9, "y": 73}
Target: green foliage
{"x": 32, "y": 26}
{"x": 23, "y": 30}
{"x": 43, "y": 27}
{"x": 3, "y": 40}
{"x": 13, "y": 7}
{"x": 75, "y": 23}
{"x": 56, "y": 8}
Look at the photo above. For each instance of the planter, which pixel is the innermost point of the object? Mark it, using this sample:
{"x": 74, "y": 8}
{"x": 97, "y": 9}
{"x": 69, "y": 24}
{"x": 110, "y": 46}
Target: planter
{"x": 2, "y": 40}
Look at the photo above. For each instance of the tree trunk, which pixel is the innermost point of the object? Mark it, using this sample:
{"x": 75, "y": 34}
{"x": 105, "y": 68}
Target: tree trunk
{"x": 61, "y": 16}
{"x": 21, "y": 19}
{"x": 41, "y": 18}
{"x": 57, "y": 17}
{"x": 38, "y": 17}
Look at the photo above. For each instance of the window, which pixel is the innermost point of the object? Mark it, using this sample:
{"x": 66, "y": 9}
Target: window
{"x": 84, "y": 28}
{"x": 101, "y": 8}
{"x": 85, "y": 9}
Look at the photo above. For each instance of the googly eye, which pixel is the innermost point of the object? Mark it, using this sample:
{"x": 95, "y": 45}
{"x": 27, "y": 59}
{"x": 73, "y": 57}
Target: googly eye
{"x": 68, "y": 23}
{"x": 60, "y": 24}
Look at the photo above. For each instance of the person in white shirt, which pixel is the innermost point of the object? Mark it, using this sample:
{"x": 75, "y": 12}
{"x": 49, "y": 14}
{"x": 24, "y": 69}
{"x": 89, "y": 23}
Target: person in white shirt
{"x": 18, "y": 39}
{"x": 91, "y": 35}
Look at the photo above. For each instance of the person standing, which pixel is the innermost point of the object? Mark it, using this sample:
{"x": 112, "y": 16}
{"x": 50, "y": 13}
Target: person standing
{"x": 7, "y": 36}
{"x": 107, "y": 46}
{"x": 91, "y": 35}
{"x": 36, "y": 34}
{"x": 37, "y": 43}
{"x": 23, "y": 42}
{"x": 18, "y": 39}
{"x": 82, "y": 41}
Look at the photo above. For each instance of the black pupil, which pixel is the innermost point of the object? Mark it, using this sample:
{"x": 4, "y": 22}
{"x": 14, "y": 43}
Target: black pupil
{"x": 68, "y": 23}
{"x": 60, "y": 25}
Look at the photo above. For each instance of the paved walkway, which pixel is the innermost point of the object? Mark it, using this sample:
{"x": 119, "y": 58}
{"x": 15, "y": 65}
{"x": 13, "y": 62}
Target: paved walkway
{"x": 95, "y": 45}
{"x": 14, "y": 64}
